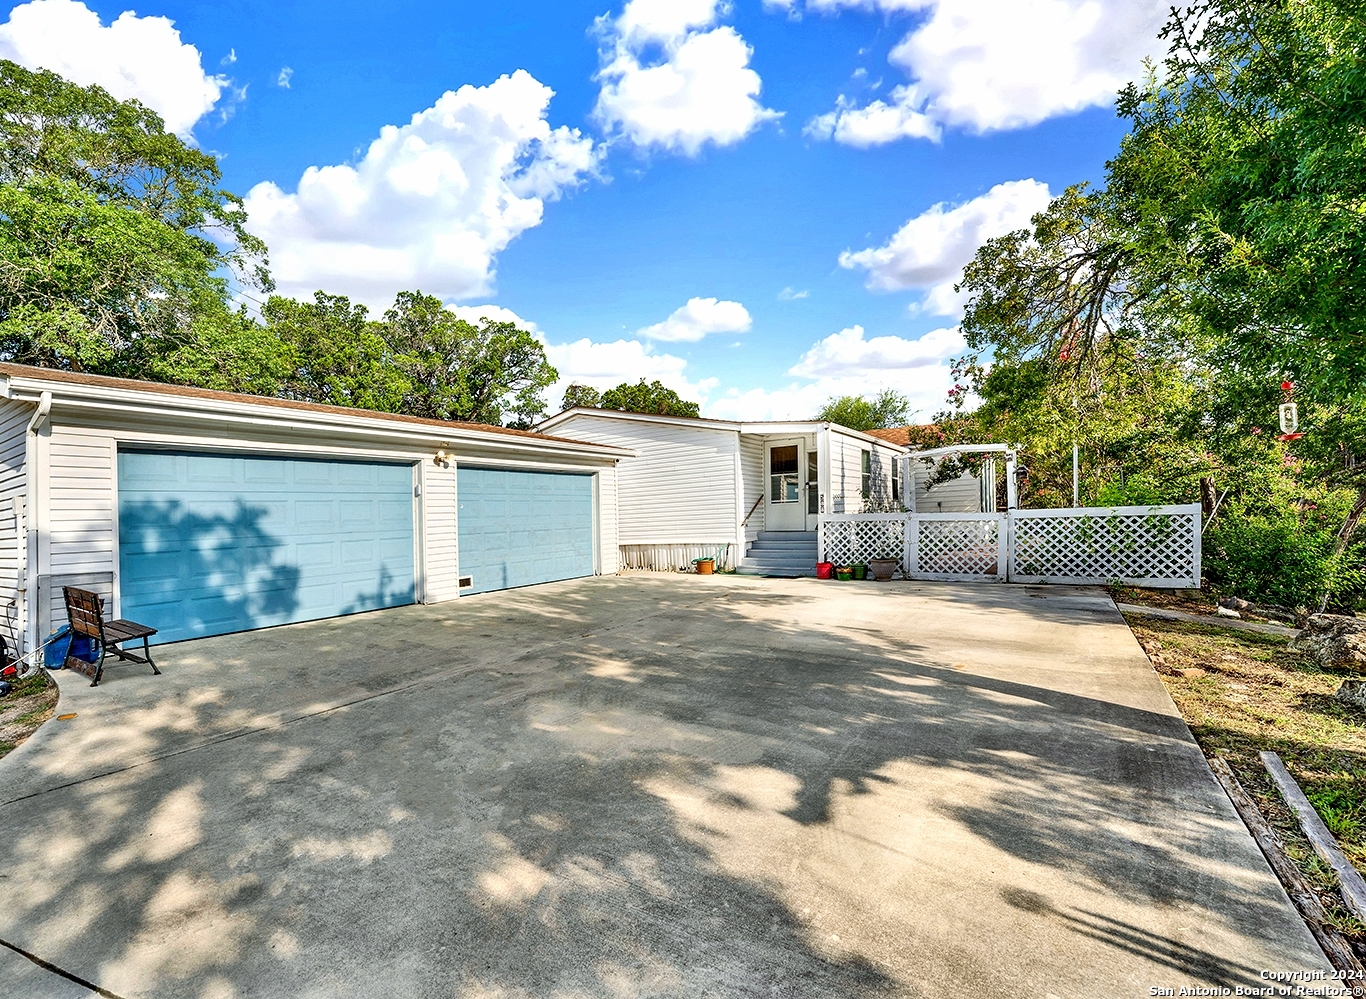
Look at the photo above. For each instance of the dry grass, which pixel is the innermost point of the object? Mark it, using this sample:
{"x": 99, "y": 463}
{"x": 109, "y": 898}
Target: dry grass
{"x": 28, "y": 705}
{"x": 1242, "y": 693}
{"x": 1190, "y": 601}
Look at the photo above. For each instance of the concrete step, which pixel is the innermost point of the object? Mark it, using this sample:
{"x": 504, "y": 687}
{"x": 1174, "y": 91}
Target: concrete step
{"x": 781, "y": 562}
{"x": 785, "y": 573}
{"x": 807, "y": 536}
{"x": 784, "y": 545}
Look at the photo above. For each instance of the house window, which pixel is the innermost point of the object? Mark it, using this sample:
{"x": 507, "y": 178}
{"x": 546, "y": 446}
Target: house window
{"x": 866, "y": 467}
{"x": 896, "y": 480}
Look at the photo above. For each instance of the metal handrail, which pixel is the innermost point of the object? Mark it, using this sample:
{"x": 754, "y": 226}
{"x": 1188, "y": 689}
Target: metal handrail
{"x": 751, "y": 511}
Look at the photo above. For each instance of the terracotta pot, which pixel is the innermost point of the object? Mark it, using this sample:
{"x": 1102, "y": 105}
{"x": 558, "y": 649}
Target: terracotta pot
{"x": 882, "y": 568}
{"x": 706, "y": 566}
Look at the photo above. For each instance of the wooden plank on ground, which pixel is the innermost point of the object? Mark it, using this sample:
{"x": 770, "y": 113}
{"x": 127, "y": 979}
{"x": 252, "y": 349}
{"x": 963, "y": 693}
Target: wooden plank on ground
{"x": 1164, "y": 614}
{"x": 1350, "y": 881}
{"x": 1336, "y": 946}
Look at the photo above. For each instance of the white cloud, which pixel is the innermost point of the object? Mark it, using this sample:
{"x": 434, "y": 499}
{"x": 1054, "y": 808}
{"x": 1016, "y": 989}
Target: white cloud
{"x": 286, "y": 74}
{"x": 601, "y": 365}
{"x": 984, "y": 65}
{"x": 846, "y": 363}
{"x": 474, "y": 314}
{"x": 697, "y": 318}
{"x": 132, "y": 57}
{"x": 431, "y": 203}
{"x": 847, "y": 353}
{"x": 876, "y": 123}
{"x": 789, "y": 294}
{"x": 930, "y": 250}
{"x": 607, "y": 365}
{"x": 671, "y": 79}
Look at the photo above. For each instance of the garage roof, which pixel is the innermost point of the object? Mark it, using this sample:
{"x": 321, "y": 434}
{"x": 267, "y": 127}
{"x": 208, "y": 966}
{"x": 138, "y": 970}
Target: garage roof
{"x": 26, "y": 383}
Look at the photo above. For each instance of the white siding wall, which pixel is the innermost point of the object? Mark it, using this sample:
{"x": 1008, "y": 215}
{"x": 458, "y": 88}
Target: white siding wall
{"x": 678, "y": 490}
{"x": 14, "y": 419}
{"x": 440, "y": 536}
{"x": 960, "y": 495}
{"x": 846, "y": 474}
{"x": 608, "y": 544}
{"x": 76, "y": 545}
{"x": 753, "y": 474}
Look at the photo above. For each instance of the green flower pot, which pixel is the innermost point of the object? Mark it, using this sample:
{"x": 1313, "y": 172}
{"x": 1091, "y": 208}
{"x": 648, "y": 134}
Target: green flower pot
{"x": 844, "y": 573}
{"x": 860, "y": 571}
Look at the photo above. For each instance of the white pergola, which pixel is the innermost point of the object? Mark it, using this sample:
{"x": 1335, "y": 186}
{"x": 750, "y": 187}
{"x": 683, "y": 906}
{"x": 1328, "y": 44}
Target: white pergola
{"x": 933, "y": 454}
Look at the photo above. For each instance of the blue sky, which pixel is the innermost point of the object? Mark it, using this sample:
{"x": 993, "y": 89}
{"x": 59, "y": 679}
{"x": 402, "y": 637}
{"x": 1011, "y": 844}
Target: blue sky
{"x": 762, "y": 203}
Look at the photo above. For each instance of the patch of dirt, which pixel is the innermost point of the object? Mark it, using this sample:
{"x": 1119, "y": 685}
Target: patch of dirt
{"x": 27, "y": 706}
{"x": 1190, "y": 601}
{"x": 1242, "y": 693}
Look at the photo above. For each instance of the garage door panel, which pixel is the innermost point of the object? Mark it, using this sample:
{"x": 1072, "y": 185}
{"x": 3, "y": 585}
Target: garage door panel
{"x": 210, "y": 543}
{"x": 517, "y": 528}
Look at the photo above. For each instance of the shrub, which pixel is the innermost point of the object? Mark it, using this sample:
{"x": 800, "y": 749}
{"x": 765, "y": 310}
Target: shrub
{"x": 1282, "y": 559}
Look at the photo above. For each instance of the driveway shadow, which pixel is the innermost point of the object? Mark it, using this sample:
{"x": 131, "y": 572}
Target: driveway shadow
{"x": 642, "y": 786}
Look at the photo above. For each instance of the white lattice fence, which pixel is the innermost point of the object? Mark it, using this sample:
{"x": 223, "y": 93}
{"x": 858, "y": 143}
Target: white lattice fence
{"x": 1140, "y": 546}
{"x": 858, "y": 537}
{"x": 963, "y": 546}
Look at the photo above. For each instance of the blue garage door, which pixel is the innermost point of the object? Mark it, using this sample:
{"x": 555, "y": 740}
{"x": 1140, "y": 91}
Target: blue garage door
{"x": 519, "y": 528}
{"x": 210, "y": 543}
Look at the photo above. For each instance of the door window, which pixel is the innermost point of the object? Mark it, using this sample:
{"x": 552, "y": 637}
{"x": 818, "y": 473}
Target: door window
{"x": 784, "y": 474}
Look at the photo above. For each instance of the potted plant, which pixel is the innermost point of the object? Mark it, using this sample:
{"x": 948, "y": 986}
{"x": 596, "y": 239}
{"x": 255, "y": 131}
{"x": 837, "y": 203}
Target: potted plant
{"x": 844, "y": 572}
{"x": 704, "y": 566}
{"x": 882, "y": 568}
{"x": 860, "y": 570}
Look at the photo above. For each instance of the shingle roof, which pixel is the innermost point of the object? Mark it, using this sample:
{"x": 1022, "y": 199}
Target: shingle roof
{"x": 900, "y": 436}
{"x": 187, "y": 392}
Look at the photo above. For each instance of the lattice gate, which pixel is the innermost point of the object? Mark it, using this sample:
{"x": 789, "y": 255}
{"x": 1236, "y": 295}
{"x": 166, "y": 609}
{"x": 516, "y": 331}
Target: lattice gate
{"x": 964, "y": 547}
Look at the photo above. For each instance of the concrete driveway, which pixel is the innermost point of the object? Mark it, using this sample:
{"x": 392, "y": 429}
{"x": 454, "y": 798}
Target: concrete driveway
{"x": 639, "y": 786}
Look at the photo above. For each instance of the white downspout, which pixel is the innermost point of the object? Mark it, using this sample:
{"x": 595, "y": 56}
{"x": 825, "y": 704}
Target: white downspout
{"x": 34, "y": 523}
{"x": 35, "y": 422}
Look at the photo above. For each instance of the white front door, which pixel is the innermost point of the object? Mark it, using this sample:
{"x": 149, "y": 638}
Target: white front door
{"x": 785, "y": 500}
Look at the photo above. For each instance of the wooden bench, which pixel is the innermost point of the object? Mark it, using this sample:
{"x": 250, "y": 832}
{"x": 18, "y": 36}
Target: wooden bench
{"x": 85, "y": 614}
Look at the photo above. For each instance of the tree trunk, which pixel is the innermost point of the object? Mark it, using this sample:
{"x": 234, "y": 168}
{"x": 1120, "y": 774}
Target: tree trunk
{"x": 1349, "y": 525}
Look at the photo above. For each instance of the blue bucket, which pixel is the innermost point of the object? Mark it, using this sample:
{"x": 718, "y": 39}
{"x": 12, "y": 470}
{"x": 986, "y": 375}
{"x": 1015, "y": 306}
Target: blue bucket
{"x": 60, "y": 644}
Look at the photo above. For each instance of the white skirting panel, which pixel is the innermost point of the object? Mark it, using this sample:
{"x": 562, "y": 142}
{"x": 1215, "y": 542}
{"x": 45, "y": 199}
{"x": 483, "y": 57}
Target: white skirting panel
{"x": 674, "y": 558}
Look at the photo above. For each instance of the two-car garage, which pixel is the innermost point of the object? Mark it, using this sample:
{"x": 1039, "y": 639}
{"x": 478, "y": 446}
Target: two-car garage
{"x": 211, "y": 543}
{"x": 202, "y": 513}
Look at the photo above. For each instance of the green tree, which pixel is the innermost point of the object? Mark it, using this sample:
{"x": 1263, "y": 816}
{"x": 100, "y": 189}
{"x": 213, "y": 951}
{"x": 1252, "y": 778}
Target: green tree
{"x": 332, "y": 353}
{"x": 111, "y": 230}
{"x": 1242, "y": 183}
{"x": 581, "y": 395}
{"x": 888, "y": 408}
{"x": 458, "y": 371}
{"x": 651, "y": 398}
